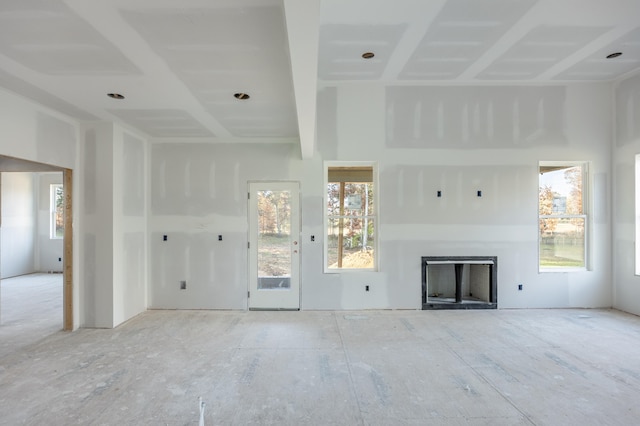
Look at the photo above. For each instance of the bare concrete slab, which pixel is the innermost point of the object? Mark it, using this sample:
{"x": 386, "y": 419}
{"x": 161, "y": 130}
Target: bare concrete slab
{"x": 30, "y": 309}
{"x": 505, "y": 367}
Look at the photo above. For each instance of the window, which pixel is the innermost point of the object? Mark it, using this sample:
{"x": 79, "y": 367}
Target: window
{"x": 56, "y": 228}
{"x": 562, "y": 216}
{"x": 637, "y": 214}
{"x": 350, "y": 217}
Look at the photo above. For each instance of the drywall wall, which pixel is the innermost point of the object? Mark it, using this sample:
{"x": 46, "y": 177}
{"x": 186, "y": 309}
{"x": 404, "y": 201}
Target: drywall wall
{"x": 459, "y": 140}
{"x": 49, "y": 254}
{"x": 129, "y": 226}
{"x": 32, "y": 132}
{"x": 424, "y": 139}
{"x": 626, "y": 285}
{"x": 19, "y": 224}
{"x": 199, "y": 191}
{"x": 96, "y": 202}
{"x": 115, "y": 225}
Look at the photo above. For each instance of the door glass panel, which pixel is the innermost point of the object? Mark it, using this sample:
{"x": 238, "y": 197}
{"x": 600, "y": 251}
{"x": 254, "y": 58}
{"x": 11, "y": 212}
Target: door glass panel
{"x": 274, "y": 240}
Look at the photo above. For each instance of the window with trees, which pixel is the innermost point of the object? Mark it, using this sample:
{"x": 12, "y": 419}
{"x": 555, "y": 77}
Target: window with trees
{"x": 350, "y": 217}
{"x": 56, "y": 211}
{"x": 562, "y": 216}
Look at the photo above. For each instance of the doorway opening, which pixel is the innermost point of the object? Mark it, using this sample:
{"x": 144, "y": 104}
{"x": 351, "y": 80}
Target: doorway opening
{"x": 64, "y": 230}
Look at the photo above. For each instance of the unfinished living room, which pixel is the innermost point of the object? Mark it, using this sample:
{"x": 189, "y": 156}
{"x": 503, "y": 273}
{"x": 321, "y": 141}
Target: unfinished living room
{"x": 319, "y": 212}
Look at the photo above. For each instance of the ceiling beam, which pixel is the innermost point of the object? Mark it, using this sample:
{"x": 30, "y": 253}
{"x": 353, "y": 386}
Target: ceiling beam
{"x": 303, "y": 17}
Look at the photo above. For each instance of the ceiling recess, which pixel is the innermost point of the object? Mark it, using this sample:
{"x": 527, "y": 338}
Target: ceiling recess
{"x": 368, "y": 55}
{"x": 614, "y": 55}
{"x": 241, "y": 96}
{"x": 115, "y": 95}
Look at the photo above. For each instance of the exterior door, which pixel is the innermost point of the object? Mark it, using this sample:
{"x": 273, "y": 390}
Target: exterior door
{"x": 274, "y": 249}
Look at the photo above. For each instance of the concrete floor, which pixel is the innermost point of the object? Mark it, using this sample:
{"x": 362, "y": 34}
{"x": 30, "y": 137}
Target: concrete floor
{"x": 30, "y": 310}
{"x": 505, "y": 367}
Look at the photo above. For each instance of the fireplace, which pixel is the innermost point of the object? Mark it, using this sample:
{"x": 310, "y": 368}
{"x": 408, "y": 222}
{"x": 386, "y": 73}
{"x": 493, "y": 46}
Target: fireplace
{"x": 459, "y": 282}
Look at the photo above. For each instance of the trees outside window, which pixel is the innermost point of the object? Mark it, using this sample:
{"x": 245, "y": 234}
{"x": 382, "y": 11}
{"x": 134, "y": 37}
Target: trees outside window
{"x": 56, "y": 209}
{"x": 351, "y": 218}
{"x": 562, "y": 216}
{"x": 274, "y": 226}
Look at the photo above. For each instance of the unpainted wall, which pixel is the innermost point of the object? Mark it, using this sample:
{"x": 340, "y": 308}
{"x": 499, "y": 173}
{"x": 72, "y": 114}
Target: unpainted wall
{"x": 32, "y": 132}
{"x": 114, "y": 206}
{"x": 19, "y": 224}
{"x": 460, "y": 140}
{"x": 199, "y": 191}
{"x": 454, "y": 139}
{"x": 626, "y": 285}
{"x": 96, "y": 202}
{"x": 130, "y": 226}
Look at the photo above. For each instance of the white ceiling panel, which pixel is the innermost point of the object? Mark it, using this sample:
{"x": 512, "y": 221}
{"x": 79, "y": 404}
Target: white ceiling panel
{"x": 49, "y": 38}
{"x": 220, "y": 52}
{"x": 163, "y": 123}
{"x": 342, "y": 47}
{"x": 460, "y": 34}
{"x": 541, "y": 48}
{"x": 598, "y": 67}
{"x": 179, "y": 63}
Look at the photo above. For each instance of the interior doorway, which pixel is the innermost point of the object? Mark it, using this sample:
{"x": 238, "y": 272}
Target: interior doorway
{"x": 11, "y": 164}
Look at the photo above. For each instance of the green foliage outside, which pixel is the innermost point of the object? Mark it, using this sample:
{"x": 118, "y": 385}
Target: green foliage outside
{"x": 562, "y": 234}
{"x": 59, "y": 217}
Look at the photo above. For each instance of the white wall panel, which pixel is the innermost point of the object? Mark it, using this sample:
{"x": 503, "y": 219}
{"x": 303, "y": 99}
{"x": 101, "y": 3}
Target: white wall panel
{"x": 129, "y": 225}
{"x": 490, "y": 139}
{"x": 626, "y": 285}
{"x": 199, "y": 191}
{"x": 19, "y": 224}
{"x": 31, "y": 132}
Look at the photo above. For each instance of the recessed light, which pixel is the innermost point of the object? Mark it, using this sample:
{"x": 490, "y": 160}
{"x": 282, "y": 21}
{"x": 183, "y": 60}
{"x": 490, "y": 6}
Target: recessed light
{"x": 368, "y": 55}
{"x": 115, "y": 95}
{"x": 614, "y": 55}
{"x": 241, "y": 96}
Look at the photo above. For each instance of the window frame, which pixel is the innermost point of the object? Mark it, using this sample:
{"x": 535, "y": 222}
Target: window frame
{"x": 375, "y": 216}
{"x": 53, "y": 211}
{"x": 586, "y": 215}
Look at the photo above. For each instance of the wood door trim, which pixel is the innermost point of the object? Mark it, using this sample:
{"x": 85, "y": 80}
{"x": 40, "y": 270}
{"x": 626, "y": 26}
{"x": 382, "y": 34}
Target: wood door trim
{"x": 67, "y": 179}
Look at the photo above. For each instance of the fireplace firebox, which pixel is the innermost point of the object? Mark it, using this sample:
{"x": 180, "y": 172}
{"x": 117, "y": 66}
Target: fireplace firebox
{"x": 459, "y": 282}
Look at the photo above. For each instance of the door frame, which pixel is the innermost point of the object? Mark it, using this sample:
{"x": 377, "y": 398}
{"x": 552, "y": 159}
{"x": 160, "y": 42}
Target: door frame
{"x": 13, "y": 164}
{"x": 295, "y": 188}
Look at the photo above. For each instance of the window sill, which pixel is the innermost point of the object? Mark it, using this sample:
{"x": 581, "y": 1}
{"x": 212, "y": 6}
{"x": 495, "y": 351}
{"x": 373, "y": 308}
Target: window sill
{"x": 349, "y": 270}
{"x": 561, "y": 270}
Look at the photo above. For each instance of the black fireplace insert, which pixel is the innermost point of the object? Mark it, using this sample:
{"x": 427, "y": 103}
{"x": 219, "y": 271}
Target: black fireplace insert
{"x": 459, "y": 282}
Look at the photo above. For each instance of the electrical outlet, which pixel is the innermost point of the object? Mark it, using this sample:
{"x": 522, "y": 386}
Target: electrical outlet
{"x": 366, "y": 288}
{"x": 183, "y": 285}
{"x": 519, "y": 287}
{"x": 59, "y": 259}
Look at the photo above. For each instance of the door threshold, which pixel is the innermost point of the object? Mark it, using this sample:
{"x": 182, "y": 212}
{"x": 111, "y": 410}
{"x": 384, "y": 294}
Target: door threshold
{"x": 274, "y": 309}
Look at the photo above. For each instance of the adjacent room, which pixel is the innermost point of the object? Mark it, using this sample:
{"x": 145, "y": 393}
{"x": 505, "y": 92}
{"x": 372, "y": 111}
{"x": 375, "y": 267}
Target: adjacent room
{"x": 319, "y": 211}
{"x": 31, "y": 252}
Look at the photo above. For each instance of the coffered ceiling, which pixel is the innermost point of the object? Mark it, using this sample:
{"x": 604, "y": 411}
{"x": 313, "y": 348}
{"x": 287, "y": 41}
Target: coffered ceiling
{"x": 179, "y": 63}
